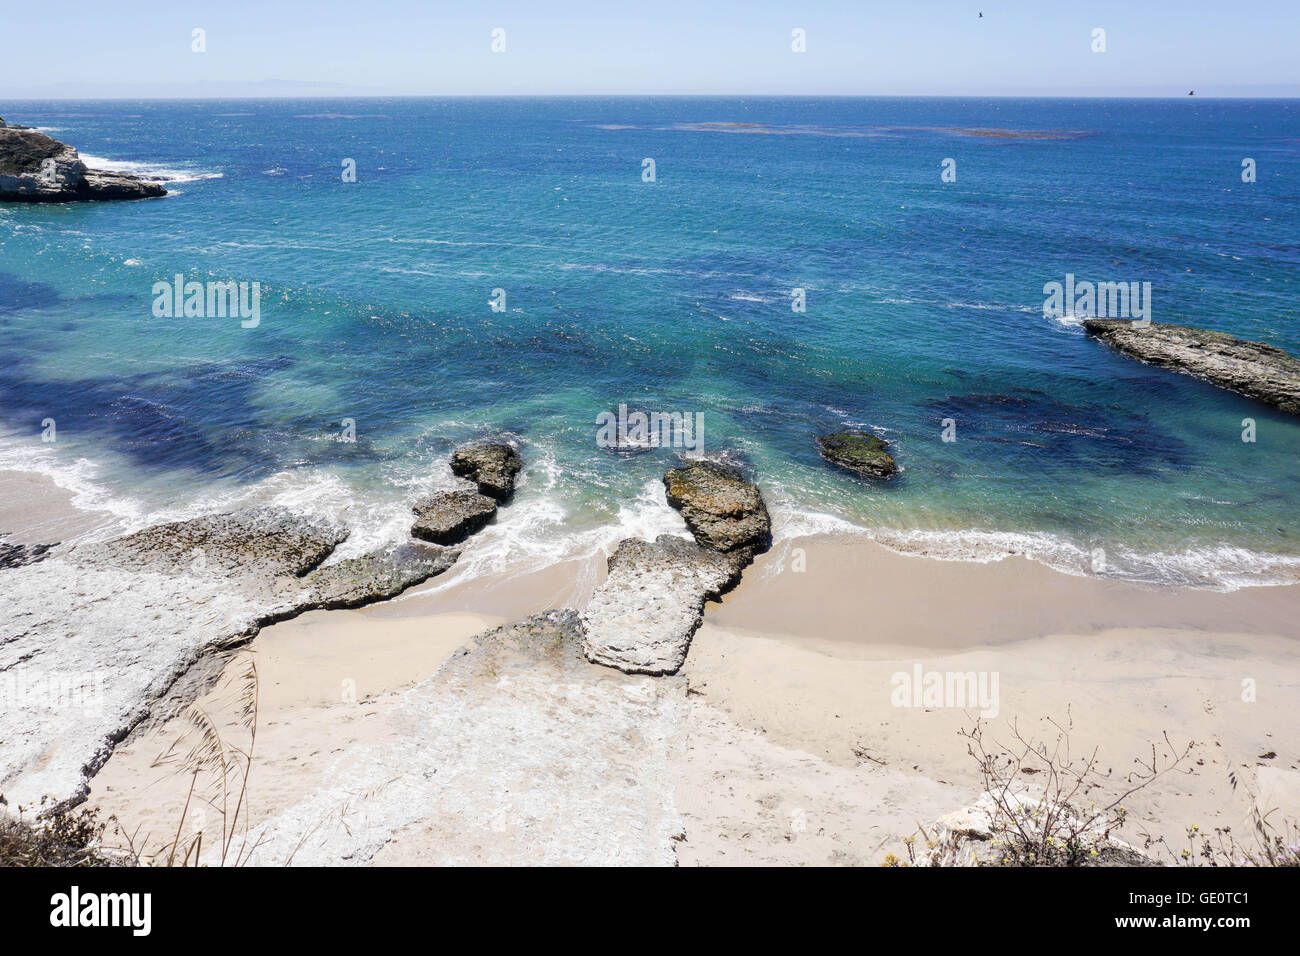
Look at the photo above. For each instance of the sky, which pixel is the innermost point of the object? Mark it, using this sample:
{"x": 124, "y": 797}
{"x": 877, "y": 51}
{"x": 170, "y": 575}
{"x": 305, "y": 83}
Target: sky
{"x": 856, "y": 47}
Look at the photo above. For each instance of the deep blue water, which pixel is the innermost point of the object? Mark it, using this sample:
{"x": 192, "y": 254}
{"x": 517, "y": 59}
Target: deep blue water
{"x": 924, "y": 303}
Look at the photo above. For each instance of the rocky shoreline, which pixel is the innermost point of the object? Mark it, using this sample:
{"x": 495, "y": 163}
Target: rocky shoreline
{"x": 146, "y": 617}
{"x": 1262, "y": 372}
{"x": 595, "y": 733}
{"x": 134, "y": 616}
{"x": 37, "y": 168}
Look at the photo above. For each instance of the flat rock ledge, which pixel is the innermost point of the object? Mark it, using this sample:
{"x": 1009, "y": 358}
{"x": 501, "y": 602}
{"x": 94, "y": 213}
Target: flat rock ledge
{"x": 1262, "y": 372}
{"x": 492, "y": 466}
{"x": 517, "y": 751}
{"x": 37, "y": 168}
{"x": 450, "y": 517}
{"x": 259, "y": 542}
{"x": 97, "y": 636}
{"x": 862, "y": 453}
{"x": 642, "y": 618}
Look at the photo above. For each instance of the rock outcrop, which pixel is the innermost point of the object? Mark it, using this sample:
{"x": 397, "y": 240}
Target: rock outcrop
{"x": 723, "y": 510}
{"x": 642, "y": 618}
{"x": 859, "y": 452}
{"x": 1258, "y": 371}
{"x": 37, "y": 168}
{"x": 17, "y": 555}
{"x": 492, "y": 466}
{"x": 377, "y": 576}
{"x": 96, "y": 634}
{"x": 517, "y": 751}
{"x": 450, "y": 517}
{"x": 266, "y": 543}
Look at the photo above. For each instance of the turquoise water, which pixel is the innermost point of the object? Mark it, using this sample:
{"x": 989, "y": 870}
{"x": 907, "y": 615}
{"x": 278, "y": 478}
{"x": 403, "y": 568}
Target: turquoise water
{"x": 924, "y": 303}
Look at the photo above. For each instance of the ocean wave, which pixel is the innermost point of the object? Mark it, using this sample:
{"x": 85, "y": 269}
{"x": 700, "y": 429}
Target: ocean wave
{"x": 652, "y": 271}
{"x": 149, "y": 171}
{"x": 989, "y": 307}
{"x": 1068, "y": 322}
{"x": 1214, "y": 567}
{"x": 540, "y": 529}
{"x": 80, "y": 477}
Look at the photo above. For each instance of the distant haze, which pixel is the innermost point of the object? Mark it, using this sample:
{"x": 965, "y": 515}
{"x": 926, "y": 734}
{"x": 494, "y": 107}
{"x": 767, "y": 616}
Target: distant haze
{"x": 908, "y": 47}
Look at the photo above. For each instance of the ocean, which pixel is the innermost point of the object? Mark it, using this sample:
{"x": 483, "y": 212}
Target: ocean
{"x": 510, "y": 268}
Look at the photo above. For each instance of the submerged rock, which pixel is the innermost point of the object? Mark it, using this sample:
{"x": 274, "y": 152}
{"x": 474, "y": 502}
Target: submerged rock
{"x": 450, "y": 517}
{"x": 1258, "y": 371}
{"x": 642, "y": 619}
{"x": 723, "y": 510}
{"x": 37, "y": 168}
{"x": 859, "y": 452}
{"x": 491, "y": 466}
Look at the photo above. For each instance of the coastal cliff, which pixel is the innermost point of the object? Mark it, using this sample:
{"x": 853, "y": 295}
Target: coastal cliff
{"x": 38, "y": 168}
{"x": 1256, "y": 370}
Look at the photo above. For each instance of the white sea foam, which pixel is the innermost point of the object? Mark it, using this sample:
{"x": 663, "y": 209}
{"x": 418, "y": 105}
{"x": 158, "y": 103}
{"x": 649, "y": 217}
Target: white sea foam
{"x": 1218, "y": 567}
{"x": 80, "y": 477}
{"x": 152, "y": 172}
{"x": 1069, "y": 322}
{"x": 538, "y": 529}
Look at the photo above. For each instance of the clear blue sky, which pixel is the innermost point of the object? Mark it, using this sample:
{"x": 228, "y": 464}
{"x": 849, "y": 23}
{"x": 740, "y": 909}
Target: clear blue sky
{"x": 143, "y": 47}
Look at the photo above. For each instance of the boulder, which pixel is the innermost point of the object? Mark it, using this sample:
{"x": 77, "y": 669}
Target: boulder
{"x": 642, "y": 619}
{"x": 723, "y": 511}
{"x": 450, "y": 517}
{"x": 37, "y": 168}
{"x": 859, "y": 452}
{"x": 1262, "y": 372}
{"x": 492, "y": 466}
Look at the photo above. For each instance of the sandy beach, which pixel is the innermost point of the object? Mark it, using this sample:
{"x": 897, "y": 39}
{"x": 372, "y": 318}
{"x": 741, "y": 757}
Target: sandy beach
{"x": 792, "y": 749}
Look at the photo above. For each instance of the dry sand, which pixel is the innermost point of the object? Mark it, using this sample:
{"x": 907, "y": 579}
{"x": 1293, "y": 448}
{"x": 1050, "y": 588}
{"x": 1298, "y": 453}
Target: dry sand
{"x": 793, "y": 750}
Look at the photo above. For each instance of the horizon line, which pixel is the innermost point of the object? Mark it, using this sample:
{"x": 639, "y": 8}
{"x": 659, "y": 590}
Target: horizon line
{"x": 614, "y": 96}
